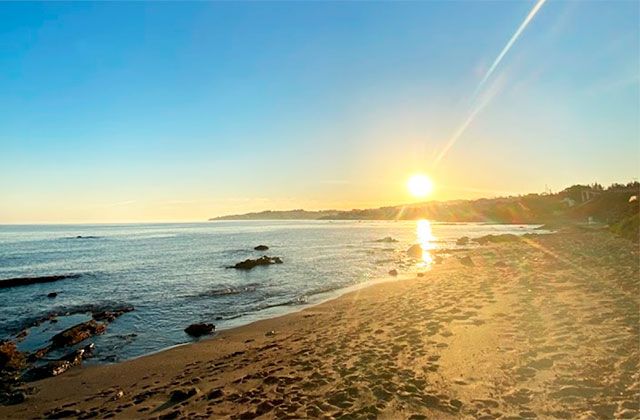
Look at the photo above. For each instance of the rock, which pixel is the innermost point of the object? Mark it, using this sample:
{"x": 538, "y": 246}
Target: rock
{"x": 500, "y": 264}
{"x": 54, "y": 368}
{"x": 10, "y": 357}
{"x": 24, "y": 281}
{"x": 197, "y": 330}
{"x": 463, "y": 241}
{"x": 38, "y": 354}
{"x": 270, "y": 333}
{"x": 393, "y": 272}
{"x": 215, "y": 394}
{"x": 180, "y": 395}
{"x": 261, "y": 248}
{"x": 52, "y": 295}
{"x": 77, "y": 356}
{"x": 77, "y": 333}
{"x": 387, "y": 239}
{"x": 466, "y": 260}
{"x": 437, "y": 259}
{"x": 111, "y": 315}
{"x": 249, "y": 263}
{"x": 415, "y": 251}
{"x": 14, "y": 398}
{"x": 420, "y": 274}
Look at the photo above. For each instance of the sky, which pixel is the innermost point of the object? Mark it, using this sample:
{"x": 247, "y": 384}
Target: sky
{"x": 142, "y": 111}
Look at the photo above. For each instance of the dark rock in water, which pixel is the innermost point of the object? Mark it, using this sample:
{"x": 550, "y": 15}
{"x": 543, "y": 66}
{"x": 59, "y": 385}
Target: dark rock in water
{"x": 387, "y": 239}
{"x": 415, "y": 251}
{"x": 463, "y": 241}
{"x": 249, "y": 263}
{"x": 111, "y": 315}
{"x": 261, "y": 248}
{"x": 86, "y": 237}
{"x": 24, "y": 281}
{"x": 466, "y": 260}
{"x": 52, "y": 295}
{"x": 77, "y": 333}
{"x": 180, "y": 395}
{"x": 197, "y": 330}
{"x": 38, "y": 354}
{"x": 10, "y": 357}
{"x": 393, "y": 272}
{"x": 420, "y": 274}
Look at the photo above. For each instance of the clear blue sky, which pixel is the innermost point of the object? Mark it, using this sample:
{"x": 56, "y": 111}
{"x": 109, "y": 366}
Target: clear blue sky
{"x": 159, "y": 111}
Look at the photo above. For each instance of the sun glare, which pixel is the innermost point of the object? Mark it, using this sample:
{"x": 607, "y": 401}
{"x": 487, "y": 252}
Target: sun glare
{"x": 420, "y": 186}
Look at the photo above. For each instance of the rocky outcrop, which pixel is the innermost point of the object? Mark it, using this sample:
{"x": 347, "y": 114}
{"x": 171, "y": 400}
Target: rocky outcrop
{"x": 261, "y": 248}
{"x": 58, "y": 367}
{"x": 198, "y": 330}
{"x": 248, "y": 264}
{"x": 386, "y": 239}
{"x": 52, "y": 295}
{"x": 25, "y": 281}
{"x": 393, "y": 272}
{"x": 77, "y": 333}
{"x": 111, "y": 315}
{"x": 11, "y": 358}
{"x": 55, "y": 368}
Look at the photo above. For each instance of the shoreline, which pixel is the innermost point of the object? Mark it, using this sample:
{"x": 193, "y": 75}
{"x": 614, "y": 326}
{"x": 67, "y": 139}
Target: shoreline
{"x": 459, "y": 341}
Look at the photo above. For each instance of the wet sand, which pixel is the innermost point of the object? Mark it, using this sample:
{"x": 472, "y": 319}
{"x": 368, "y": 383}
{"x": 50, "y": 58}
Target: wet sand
{"x": 546, "y": 327}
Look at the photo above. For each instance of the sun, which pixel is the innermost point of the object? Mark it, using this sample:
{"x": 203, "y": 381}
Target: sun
{"x": 420, "y": 185}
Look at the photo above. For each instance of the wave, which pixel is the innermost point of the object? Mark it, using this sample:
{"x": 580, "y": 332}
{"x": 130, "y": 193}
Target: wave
{"x": 230, "y": 290}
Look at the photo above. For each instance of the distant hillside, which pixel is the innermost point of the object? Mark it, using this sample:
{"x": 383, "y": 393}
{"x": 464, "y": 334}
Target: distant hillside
{"x": 282, "y": 215}
{"x": 576, "y": 203}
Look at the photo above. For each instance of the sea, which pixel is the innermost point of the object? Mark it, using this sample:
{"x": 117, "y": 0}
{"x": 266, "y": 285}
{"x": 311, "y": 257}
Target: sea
{"x": 174, "y": 275}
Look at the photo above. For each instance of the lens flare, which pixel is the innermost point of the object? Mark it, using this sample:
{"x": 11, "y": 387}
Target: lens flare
{"x": 420, "y": 186}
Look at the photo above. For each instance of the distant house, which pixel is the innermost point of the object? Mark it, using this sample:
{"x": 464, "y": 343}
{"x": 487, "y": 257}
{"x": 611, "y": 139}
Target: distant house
{"x": 586, "y": 195}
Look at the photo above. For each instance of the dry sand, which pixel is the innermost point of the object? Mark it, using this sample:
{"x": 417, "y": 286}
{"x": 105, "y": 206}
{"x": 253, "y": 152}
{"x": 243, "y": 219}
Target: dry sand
{"x": 547, "y": 327}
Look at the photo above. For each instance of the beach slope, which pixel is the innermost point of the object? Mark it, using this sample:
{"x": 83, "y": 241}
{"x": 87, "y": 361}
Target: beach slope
{"x": 546, "y": 326}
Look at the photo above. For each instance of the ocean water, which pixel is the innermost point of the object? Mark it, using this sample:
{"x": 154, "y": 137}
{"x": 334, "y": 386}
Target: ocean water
{"x": 175, "y": 274}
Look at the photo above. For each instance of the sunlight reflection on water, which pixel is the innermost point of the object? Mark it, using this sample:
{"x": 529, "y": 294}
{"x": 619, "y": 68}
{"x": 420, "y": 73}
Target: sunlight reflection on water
{"x": 426, "y": 241}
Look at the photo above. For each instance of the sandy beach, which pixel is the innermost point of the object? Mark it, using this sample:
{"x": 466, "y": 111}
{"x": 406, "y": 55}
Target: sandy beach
{"x": 543, "y": 327}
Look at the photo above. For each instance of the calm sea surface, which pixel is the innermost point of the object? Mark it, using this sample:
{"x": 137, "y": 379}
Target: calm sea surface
{"x": 174, "y": 274}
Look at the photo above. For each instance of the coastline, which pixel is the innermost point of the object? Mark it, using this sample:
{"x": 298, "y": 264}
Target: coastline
{"x": 400, "y": 348}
